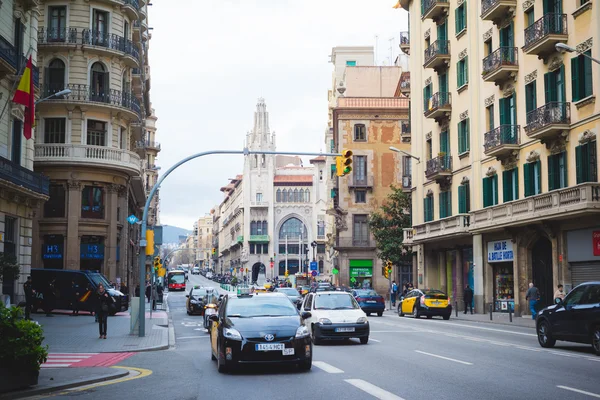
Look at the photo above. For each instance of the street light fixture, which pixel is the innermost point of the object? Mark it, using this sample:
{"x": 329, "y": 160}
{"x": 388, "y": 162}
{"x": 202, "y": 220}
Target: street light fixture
{"x": 392, "y": 148}
{"x": 563, "y": 48}
{"x": 63, "y": 92}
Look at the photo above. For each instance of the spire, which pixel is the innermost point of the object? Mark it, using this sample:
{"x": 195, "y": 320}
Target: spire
{"x": 260, "y": 136}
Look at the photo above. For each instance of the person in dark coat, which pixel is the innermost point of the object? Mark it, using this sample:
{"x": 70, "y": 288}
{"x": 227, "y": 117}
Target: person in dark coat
{"x": 468, "y": 298}
{"x": 49, "y": 298}
{"x": 104, "y": 302}
{"x": 137, "y": 291}
{"x": 29, "y": 293}
{"x": 75, "y": 293}
{"x": 148, "y": 292}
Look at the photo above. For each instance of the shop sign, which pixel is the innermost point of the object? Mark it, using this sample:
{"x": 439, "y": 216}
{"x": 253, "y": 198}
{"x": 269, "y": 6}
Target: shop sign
{"x": 596, "y": 240}
{"x": 500, "y": 251}
{"x": 92, "y": 251}
{"x": 366, "y": 272}
{"x": 52, "y": 251}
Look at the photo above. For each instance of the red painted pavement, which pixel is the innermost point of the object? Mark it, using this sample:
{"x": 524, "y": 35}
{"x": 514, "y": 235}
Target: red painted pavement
{"x": 78, "y": 360}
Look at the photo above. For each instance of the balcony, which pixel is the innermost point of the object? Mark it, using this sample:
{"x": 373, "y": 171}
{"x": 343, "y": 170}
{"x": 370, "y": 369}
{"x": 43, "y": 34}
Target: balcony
{"x": 407, "y": 182}
{"x": 405, "y": 42}
{"x": 83, "y": 94}
{"x": 407, "y": 236}
{"x": 360, "y": 182}
{"x": 23, "y": 180}
{"x": 57, "y": 38}
{"x": 93, "y": 156}
{"x": 501, "y": 65}
{"x": 544, "y": 34}
{"x": 434, "y": 9}
{"x": 439, "y": 167}
{"x": 501, "y": 141}
{"x": 405, "y": 83}
{"x": 437, "y": 55}
{"x": 496, "y": 10}
{"x": 152, "y": 145}
{"x": 566, "y": 203}
{"x": 259, "y": 239}
{"x": 548, "y": 121}
{"x": 259, "y": 204}
{"x": 131, "y": 7}
{"x": 451, "y": 227}
{"x": 111, "y": 44}
{"x": 438, "y": 106}
{"x": 8, "y": 58}
{"x": 352, "y": 243}
{"x": 405, "y": 128}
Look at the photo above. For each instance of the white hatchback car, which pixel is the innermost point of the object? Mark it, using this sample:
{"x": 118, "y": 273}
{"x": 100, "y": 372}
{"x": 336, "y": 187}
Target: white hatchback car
{"x": 334, "y": 316}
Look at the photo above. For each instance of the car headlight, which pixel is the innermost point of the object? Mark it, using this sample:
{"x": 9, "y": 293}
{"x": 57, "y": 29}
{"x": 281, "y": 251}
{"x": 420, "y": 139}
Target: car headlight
{"x": 362, "y": 320}
{"x": 232, "y": 334}
{"x": 302, "y": 332}
{"x": 325, "y": 321}
{"x": 194, "y": 301}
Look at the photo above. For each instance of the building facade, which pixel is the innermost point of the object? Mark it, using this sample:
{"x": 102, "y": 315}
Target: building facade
{"x": 97, "y": 144}
{"x": 203, "y": 238}
{"x": 22, "y": 191}
{"x": 506, "y": 192}
{"x": 272, "y": 219}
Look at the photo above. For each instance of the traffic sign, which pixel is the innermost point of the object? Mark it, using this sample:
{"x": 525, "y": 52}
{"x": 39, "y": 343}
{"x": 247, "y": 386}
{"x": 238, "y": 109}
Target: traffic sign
{"x": 353, "y": 279}
{"x": 231, "y": 269}
{"x": 314, "y": 266}
{"x": 132, "y": 219}
{"x": 314, "y": 273}
{"x": 335, "y": 271}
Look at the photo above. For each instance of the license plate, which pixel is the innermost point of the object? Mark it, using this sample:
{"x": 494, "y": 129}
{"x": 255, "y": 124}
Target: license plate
{"x": 371, "y": 301}
{"x": 344, "y": 329}
{"x": 288, "y": 352}
{"x": 270, "y": 347}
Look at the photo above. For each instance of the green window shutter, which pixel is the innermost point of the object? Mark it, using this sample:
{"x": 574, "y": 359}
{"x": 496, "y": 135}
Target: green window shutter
{"x": 468, "y": 197}
{"x": 442, "y": 212}
{"x": 502, "y": 105}
{"x": 466, "y": 70}
{"x": 467, "y": 134}
{"x": 449, "y": 204}
{"x": 562, "y": 96}
{"x": 575, "y": 79}
{"x": 458, "y": 84}
{"x": 464, "y": 12}
{"x": 431, "y": 205}
{"x": 534, "y": 95}
{"x": 588, "y": 89}
{"x": 494, "y": 190}
{"x": 527, "y": 179}
{"x": 579, "y": 163}
{"x": 592, "y": 162}
{"x": 425, "y": 210}
{"x": 551, "y": 177}
{"x": 486, "y": 192}
{"x": 506, "y": 194}
{"x": 462, "y": 200}
{"x": 444, "y": 146}
{"x": 457, "y": 20}
{"x": 565, "y": 170}
{"x": 547, "y": 85}
{"x": 538, "y": 176}
{"x": 515, "y": 179}
{"x": 425, "y": 99}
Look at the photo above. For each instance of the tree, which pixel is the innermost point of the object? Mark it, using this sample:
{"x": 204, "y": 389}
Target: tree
{"x": 387, "y": 225}
{"x": 9, "y": 269}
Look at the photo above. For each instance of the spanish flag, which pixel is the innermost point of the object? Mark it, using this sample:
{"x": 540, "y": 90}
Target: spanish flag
{"x": 24, "y": 96}
{"x": 397, "y": 5}
{"x": 85, "y": 296}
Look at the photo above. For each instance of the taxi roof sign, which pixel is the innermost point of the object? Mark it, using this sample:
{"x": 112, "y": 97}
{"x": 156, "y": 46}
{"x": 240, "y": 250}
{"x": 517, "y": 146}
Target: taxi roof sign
{"x": 243, "y": 291}
{"x": 197, "y": 286}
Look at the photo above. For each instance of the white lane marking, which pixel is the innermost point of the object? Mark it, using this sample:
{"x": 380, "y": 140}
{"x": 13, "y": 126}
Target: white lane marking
{"x": 579, "y": 391}
{"x": 327, "y": 367}
{"x": 485, "y": 329}
{"x": 72, "y": 354}
{"x": 62, "y": 360}
{"x": 50, "y": 356}
{"x": 191, "y": 337}
{"x": 373, "y": 390}
{"x": 374, "y": 340}
{"x": 54, "y": 365}
{"x": 444, "y": 358}
{"x": 412, "y": 331}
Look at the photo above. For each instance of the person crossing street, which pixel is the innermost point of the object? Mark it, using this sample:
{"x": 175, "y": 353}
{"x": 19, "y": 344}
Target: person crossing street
{"x": 29, "y": 292}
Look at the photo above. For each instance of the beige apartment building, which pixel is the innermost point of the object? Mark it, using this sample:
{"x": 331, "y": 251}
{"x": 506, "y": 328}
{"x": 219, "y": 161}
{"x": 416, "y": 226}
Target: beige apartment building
{"x": 204, "y": 240}
{"x": 367, "y": 120}
{"x": 97, "y": 143}
{"x": 505, "y": 192}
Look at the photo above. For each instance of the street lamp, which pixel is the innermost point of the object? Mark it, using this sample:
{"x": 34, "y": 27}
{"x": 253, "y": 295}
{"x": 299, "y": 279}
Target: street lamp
{"x": 562, "y": 48}
{"x": 63, "y": 92}
{"x": 392, "y": 148}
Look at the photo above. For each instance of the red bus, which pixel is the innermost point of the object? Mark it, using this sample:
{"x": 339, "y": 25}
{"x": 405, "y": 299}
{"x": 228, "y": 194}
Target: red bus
{"x": 176, "y": 280}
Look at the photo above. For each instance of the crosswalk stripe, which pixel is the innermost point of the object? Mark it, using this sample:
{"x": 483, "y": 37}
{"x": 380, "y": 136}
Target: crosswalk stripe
{"x": 327, "y": 367}
{"x": 55, "y": 365}
{"x": 373, "y": 390}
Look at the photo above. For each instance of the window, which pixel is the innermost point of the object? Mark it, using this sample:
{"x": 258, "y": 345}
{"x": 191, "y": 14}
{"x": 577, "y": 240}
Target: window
{"x": 463, "y": 136}
{"x": 126, "y": 29}
{"x": 278, "y": 196}
{"x": 333, "y": 171}
{"x": 360, "y": 231}
{"x": 96, "y": 133}
{"x": 529, "y": 17}
{"x": 464, "y": 199}
{"x": 490, "y": 117}
{"x": 586, "y": 163}
{"x": 292, "y": 228}
{"x": 285, "y": 196}
{"x": 253, "y": 228}
{"x": 54, "y": 130}
{"x": 557, "y": 171}
{"x": 55, "y": 206}
{"x": 360, "y": 133}
{"x": 350, "y": 63}
{"x": 307, "y": 195}
{"x": 429, "y": 150}
{"x": 17, "y": 134}
{"x": 360, "y": 170}
{"x": 11, "y": 240}
{"x": 581, "y": 76}
{"x": 444, "y": 143}
{"x": 460, "y": 19}
{"x": 490, "y": 191}
{"x": 428, "y": 208}
{"x": 57, "y": 23}
{"x": 360, "y": 196}
{"x": 427, "y": 93}
{"x": 99, "y": 84}
{"x": 507, "y": 37}
{"x": 508, "y": 111}
{"x": 301, "y": 194}
{"x": 100, "y": 28}
{"x": 92, "y": 202}
{"x": 530, "y": 98}
{"x": 295, "y": 199}
{"x": 259, "y": 197}
{"x": 54, "y": 77}
{"x": 320, "y": 249}
{"x": 510, "y": 184}
{"x": 321, "y": 266}
{"x": 488, "y": 47}
{"x": 321, "y": 227}
{"x": 462, "y": 72}
{"x": 445, "y": 204}
{"x": 406, "y": 166}
{"x": 532, "y": 178}
{"x": 554, "y": 85}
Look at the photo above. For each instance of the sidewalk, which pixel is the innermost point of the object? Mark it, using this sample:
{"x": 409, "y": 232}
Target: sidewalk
{"x": 498, "y": 318}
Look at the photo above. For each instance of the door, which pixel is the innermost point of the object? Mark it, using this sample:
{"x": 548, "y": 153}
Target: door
{"x": 442, "y": 37}
{"x": 586, "y": 313}
{"x": 507, "y": 36}
{"x": 57, "y": 22}
{"x": 100, "y": 28}
{"x": 444, "y": 143}
{"x": 563, "y": 319}
{"x": 541, "y": 256}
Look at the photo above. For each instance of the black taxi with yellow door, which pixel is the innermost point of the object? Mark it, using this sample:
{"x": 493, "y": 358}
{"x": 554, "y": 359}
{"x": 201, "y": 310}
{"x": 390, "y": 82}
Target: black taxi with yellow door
{"x": 428, "y": 302}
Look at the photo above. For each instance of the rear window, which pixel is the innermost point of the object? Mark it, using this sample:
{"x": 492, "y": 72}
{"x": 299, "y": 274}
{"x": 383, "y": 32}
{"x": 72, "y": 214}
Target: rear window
{"x": 177, "y": 278}
{"x": 288, "y": 291}
{"x": 436, "y": 295}
{"x": 260, "y": 306}
{"x": 366, "y": 293}
{"x": 325, "y": 301}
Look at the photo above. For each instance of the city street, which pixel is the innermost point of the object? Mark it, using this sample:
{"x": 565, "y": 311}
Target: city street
{"x": 404, "y": 359}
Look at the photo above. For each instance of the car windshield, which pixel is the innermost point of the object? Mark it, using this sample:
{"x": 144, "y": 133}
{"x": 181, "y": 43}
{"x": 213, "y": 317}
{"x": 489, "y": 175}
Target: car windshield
{"x": 330, "y": 301}
{"x": 199, "y": 292}
{"x": 177, "y": 278}
{"x": 436, "y": 294}
{"x": 289, "y": 291}
{"x": 100, "y": 279}
{"x": 260, "y": 306}
{"x": 366, "y": 293}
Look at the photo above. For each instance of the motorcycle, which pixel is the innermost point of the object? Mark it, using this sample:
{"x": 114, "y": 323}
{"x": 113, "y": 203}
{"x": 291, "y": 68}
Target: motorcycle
{"x": 209, "y": 309}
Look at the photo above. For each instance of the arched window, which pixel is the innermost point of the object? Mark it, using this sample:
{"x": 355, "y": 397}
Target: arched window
{"x": 296, "y": 195}
{"x": 278, "y": 196}
{"x": 285, "y": 196}
{"x": 55, "y": 77}
{"x": 301, "y": 200}
{"x": 292, "y": 228}
{"x": 253, "y": 228}
{"x": 307, "y": 195}
{"x": 99, "y": 83}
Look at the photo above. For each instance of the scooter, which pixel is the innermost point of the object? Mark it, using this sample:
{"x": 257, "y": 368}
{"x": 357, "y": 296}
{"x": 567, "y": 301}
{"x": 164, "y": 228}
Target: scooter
{"x": 209, "y": 309}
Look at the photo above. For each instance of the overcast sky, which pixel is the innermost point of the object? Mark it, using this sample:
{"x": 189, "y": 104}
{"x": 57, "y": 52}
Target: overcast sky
{"x": 212, "y": 59}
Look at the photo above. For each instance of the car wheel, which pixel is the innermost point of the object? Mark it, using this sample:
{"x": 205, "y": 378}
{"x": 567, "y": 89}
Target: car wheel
{"x": 221, "y": 367}
{"x": 429, "y": 316}
{"x": 400, "y": 313}
{"x": 306, "y": 365}
{"x": 380, "y": 314}
{"x": 315, "y": 339}
{"x": 368, "y": 314}
{"x": 416, "y": 312}
{"x": 447, "y": 317}
{"x": 364, "y": 340}
{"x": 212, "y": 356}
{"x": 596, "y": 340}
{"x": 544, "y": 337}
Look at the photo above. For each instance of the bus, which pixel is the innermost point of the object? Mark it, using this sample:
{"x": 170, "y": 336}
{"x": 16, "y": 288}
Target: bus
{"x": 176, "y": 280}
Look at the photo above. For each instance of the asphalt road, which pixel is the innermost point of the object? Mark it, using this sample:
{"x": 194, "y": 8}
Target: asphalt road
{"x": 405, "y": 359}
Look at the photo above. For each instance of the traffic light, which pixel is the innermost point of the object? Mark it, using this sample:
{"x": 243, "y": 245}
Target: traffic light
{"x": 157, "y": 263}
{"x": 343, "y": 164}
{"x": 149, "y": 242}
{"x": 286, "y": 273}
{"x": 387, "y": 269}
{"x": 214, "y": 251}
{"x": 385, "y": 272}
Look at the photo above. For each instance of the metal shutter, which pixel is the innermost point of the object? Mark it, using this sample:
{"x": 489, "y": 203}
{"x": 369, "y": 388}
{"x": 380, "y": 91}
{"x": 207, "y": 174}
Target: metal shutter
{"x": 584, "y": 273}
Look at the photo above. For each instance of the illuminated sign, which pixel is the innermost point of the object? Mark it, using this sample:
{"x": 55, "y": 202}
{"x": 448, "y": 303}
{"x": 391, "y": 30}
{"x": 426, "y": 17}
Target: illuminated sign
{"x": 92, "y": 251}
{"x": 52, "y": 251}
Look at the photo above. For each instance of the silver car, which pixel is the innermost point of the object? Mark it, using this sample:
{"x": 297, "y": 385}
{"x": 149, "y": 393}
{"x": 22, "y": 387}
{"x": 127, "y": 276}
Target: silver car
{"x": 292, "y": 294}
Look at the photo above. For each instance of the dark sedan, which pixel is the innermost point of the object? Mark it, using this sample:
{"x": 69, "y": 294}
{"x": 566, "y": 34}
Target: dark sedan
{"x": 292, "y": 294}
{"x": 574, "y": 319}
{"x": 259, "y": 328}
{"x": 198, "y": 298}
{"x": 369, "y": 301}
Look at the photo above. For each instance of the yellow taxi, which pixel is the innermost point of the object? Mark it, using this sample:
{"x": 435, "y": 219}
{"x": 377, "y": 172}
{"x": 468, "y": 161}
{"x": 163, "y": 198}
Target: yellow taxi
{"x": 428, "y": 302}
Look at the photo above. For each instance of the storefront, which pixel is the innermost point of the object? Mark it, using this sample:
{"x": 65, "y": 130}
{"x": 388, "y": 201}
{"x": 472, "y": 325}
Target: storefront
{"x": 500, "y": 256}
{"x": 583, "y": 247}
{"x": 53, "y": 251}
{"x": 92, "y": 253}
{"x": 361, "y": 273}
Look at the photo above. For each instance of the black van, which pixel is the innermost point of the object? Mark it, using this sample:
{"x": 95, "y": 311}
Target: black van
{"x": 88, "y": 282}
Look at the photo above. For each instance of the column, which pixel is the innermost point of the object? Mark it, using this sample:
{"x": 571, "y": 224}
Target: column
{"x": 443, "y": 271}
{"x": 122, "y": 265}
{"x": 516, "y": 277}
{"x": 478, "y": 273}
{"x": 460, "y": 285}
{"x": 110, "y": 266}
{"x": 415, "y": 276}
{"x": 72, "y": 242}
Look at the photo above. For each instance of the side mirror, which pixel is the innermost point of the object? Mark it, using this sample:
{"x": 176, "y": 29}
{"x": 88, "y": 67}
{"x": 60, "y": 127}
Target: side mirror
{"x": 558, "y": 300}
{"x": 305, "y": 315}
{"x": 187, "y": 295}
{"x": 213, "y": 317}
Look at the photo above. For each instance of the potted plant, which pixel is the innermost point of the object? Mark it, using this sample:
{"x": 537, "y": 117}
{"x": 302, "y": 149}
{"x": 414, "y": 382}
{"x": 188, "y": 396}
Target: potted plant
{"x": 21, "y": 350}
{"x": 441, "y": 154}
{"x": 8, "y": 267}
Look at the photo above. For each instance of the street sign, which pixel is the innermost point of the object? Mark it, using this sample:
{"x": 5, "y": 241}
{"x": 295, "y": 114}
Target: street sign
{"x": 314, "y": 266}
{"x": 314, "y": 273}
{"x": 353, "y": 279}
{"x": 132, "y": 219}
{"x": 231, "y": 269}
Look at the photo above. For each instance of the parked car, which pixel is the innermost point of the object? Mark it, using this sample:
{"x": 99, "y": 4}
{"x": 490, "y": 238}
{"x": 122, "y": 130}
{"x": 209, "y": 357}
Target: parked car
{"x": 291, "y": 293}
{"x": 369, "y": 301}
{"x": 425, "y": 302}
{"x": 195, "y": 271}
{"x": 574, "y": 319}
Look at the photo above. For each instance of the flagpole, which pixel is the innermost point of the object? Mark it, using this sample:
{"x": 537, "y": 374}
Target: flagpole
{"x": 16, "y": 82}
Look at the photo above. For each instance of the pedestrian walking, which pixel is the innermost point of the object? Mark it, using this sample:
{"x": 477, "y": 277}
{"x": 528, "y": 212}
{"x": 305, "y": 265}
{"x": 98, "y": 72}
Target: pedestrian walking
{"x": 468, "y": 299}
{"x": 394, "y": 293}
{"x": 29, "y": 293}
{"x": 137, "y": 291}
{"x": 75, "y": 292}
{"x": 49, "y": 297}
{"x": 533, "y": 296}
{"x": 148, "y": 291}
{"x": 104, "y": 304}
{"x": 559, "y": 294}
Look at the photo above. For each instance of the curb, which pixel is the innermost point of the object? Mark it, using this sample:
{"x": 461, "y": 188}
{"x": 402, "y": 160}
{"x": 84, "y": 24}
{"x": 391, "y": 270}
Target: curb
{"x": 494, "y": 323}
{"x": 69, "y": 385}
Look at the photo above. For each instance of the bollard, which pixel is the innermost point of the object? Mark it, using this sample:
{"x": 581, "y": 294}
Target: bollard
{"x": 491, "y": 309}
{"x": 456, "y": 308}
{"x": 509, "y": 313}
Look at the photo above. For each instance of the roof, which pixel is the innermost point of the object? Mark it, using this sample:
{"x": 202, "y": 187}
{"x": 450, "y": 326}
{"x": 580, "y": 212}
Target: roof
{"x": 318, "y": 159}
{"x": 293, "y": 179}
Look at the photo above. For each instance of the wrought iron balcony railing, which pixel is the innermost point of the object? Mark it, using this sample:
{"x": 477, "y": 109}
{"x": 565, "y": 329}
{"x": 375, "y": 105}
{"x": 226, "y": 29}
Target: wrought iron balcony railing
{"x": 14, "y": 173}
{"x": 57, "y": 36}
{"x": 501, "y": 57}
{"x": 438, "y": 100}
{"x": 438, "y": 164}
{"x": 504, "y": 134}
{"x": 110, "y": 41}
{"x": 551, "y": 113}
{"x": 404, "y": 39}
{"x": 134, "y": 3}
{"x": 405, "y": 127}
{"x": 427, "y": 5}
{"x": 549, "y": 24}
{"x": 8, "y": 53}
{"x": 355, "y": 242}
{"x": 437, "y": 48}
